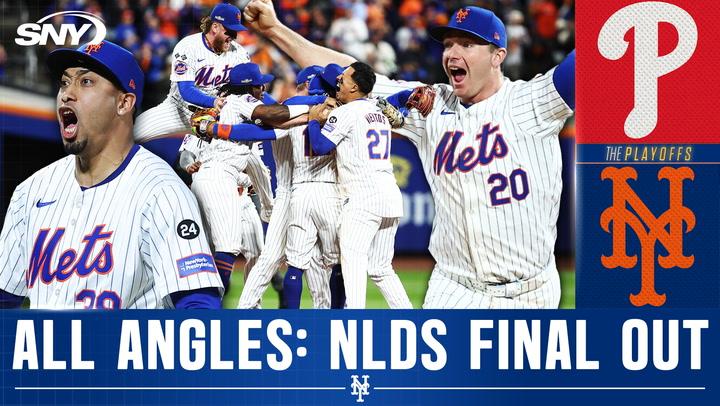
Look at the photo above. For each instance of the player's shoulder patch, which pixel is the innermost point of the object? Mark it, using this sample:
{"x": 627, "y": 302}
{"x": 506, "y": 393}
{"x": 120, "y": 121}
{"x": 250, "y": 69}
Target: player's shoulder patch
{"x": 194, "y": 264}
{"x": 180, "y": 67}
{"x": 330, "y": 124}
{"x": 188, "y": 229}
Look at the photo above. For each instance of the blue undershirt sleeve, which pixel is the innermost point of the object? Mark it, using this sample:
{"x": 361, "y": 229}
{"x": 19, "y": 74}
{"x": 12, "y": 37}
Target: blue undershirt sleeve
{"x": 10, "y": 301}
{"x": 245, "y": 132}
{"x": 400, "y": 98}
{"x": 205, "y": 298}
{"x": 193, "y": 95}
{"x": 267, "y": 99}
{"x": 304, "y": 100}
{"x": 321, "y": 145}
{"x": 564, "y": 79}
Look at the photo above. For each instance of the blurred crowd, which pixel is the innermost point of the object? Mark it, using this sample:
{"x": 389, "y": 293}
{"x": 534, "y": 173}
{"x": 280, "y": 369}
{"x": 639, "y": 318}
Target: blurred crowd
{"x": 391, "y": 35}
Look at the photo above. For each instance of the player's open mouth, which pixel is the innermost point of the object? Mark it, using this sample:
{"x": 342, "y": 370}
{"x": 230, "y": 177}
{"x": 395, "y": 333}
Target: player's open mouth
{"x": 457, "y": 74}
{"x": 68, "y": 122}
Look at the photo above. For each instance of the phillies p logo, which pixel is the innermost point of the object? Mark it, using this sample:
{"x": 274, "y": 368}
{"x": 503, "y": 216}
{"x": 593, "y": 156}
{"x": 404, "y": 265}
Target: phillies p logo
{"x": 667, "y": 229}
{"x": 644, "y": 18}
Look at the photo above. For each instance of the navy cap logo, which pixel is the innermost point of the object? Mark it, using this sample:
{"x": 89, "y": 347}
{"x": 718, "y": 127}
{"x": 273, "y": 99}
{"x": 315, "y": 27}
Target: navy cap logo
{"x": 462, "y": 15}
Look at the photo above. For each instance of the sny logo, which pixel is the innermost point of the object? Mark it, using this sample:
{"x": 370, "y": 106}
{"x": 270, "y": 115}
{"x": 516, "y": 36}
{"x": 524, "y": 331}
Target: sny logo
{"x": 38, "y": 33}
{"x": 360, "y": 389}
{"x": 666, "y": 229}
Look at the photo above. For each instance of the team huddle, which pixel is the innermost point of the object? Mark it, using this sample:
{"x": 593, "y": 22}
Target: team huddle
{"x": 113, "y": 226}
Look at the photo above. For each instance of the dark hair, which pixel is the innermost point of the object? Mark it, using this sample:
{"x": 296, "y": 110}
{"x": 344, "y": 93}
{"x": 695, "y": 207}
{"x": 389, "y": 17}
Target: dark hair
{"x": 236, "y": 89}
{"x": 364, "y": 76}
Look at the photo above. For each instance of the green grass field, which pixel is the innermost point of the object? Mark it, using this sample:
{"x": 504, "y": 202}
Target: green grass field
{"x": 415, "y": 284}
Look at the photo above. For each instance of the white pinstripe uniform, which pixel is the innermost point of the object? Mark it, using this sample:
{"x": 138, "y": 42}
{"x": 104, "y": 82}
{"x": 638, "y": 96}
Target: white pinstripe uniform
{"x": 494, "y": 169}
{"x": 192, "y": 60}
{"x": 127, "y": 242}
{"x": 315, "y": 206}
{"x": 370, "y": 217}
{"x": 237, "y": 109}
{"x": 233, "y": 222}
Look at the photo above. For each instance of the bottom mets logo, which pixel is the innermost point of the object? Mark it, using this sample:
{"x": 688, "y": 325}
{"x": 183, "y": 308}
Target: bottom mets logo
{"x": 360, "y": 389}
{"x": 667, "y": 229}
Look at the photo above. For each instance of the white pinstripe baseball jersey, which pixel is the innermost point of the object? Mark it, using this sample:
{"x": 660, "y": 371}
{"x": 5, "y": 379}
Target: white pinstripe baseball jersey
{"x": 308, "y": 167}
{"x": 233, "y": 113}
{"x": 233, "y": 223}
{"x": 362, "y": 135}
{"x": 193, "y": 60}
{"x": 494, "y": 169}
{"x": 315, "y": 204}
{"x": 127, "y": 242}
{"x": 239, "y": 108}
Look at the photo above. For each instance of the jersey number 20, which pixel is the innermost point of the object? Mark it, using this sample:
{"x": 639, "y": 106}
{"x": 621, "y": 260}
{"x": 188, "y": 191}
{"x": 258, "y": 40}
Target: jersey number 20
{"x": 379, "y": 146}
{"x": 519, "y": 187}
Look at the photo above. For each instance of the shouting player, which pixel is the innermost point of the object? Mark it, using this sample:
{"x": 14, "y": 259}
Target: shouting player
{"x": 490, "y": 152}
{"x": 93, "y": 230}
{"x": 201, "y": 63}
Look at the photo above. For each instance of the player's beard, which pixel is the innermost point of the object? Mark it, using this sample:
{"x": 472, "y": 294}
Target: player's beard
{"x": 219, "y": 45}
{"x": 75, "y": 147}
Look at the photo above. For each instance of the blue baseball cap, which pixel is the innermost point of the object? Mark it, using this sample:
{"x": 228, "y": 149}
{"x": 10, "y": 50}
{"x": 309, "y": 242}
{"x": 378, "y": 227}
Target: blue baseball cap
{"x": 248, "y": 74}
{"x": 228, "y": 15}
{"x": 315, "y": 86}
{"x": 476, "y": 21}
{"x": 307, "y": 74}
{"x": 329, "y": 76}
{"x": 108, "y": 60}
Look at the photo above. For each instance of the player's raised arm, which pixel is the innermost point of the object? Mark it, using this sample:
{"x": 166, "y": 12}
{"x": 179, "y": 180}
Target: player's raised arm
{"x": 564, "y": 79}
{"x": 243, "y": 132}
{"x": 260, "y": 16}
{"x": 324, "y": 130}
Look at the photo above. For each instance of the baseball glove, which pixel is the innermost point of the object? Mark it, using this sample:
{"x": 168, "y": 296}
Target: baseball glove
{"x": 394, "y": 116}
{"x": 422, "y": 99}
{"x": 202, "y": 119}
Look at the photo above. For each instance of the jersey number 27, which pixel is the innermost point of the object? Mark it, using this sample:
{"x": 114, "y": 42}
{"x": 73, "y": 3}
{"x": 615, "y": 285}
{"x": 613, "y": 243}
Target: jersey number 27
{"x": 379, "y": 146}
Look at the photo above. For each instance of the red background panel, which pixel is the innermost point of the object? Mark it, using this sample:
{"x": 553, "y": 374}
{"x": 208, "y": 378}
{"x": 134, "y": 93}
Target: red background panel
{"x": 688, "y": 98}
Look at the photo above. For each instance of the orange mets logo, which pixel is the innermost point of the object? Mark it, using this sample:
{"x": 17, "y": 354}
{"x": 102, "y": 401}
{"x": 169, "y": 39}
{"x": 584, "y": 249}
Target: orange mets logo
{"x": 90, "y": 48}
{"x": 667, "y": 229}
{"x": 461, "y": 15}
